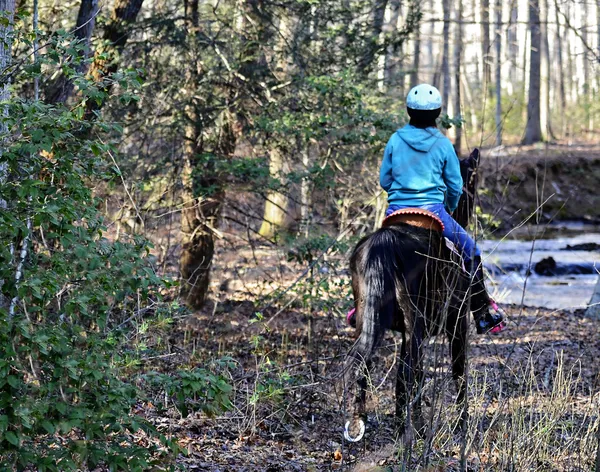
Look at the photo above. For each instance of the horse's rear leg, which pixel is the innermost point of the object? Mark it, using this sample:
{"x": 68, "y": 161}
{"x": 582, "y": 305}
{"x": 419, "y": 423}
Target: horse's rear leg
{"x": 355, "y": 427}
{"x": 458, "y": 348}
{"x": 409, "y": 371}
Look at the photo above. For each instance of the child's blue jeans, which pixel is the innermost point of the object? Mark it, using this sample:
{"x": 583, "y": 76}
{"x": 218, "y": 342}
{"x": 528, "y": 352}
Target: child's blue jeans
{"x": 452, "y": 230}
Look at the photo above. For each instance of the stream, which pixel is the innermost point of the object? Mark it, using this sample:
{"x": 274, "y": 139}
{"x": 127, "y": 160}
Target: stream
{"x": 572, "y": 274}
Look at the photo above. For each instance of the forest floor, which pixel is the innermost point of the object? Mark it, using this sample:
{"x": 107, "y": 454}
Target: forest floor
{"x": 533, "y": 390}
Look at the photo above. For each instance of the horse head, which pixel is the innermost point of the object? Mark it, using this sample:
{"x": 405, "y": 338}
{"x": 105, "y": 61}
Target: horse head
{"x": 466, "y": 204}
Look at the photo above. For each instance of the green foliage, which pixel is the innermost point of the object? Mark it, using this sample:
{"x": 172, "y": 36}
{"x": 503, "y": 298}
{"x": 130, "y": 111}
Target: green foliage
{"x": 206, "y": 390}
{"x": 63, "y": 402}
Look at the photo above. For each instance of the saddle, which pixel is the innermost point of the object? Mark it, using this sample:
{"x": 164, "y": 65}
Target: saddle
{"x": 423, "y": 219}
{"x": 415, "y": 217}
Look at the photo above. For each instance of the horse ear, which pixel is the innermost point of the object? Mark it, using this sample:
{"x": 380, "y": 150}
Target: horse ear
{"x": 474, "y": 158}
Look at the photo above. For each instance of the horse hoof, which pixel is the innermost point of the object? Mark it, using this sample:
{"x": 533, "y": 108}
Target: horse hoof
{"x": 354, "y": 430}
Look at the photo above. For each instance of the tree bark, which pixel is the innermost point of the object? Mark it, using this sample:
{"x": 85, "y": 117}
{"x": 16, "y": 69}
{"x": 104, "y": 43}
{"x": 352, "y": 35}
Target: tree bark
{"x": 458, "y": 47}
{"x": 485, "y": 46}
{"x": 586, "y": 62}
{"x": 513, "y": 45}
{"x": 116, "y": 33}
{"x": 373, "y": 41}
{"x": 533, "y": 131}
{"x": 414, "y": 73}
{"x": 498, "y": 70}
{"x": 198, "y": 215}
{"x": 61, "y": 90}
{"x": 430, "y": 56}
{"x": 562, "y": 95}
{"x": 545, "y": 72}
{"x": 393, "y": 53}
{"x": 7, "y": 7}
{"x": 445, "y": 55}
{"x": 275, "y": 214}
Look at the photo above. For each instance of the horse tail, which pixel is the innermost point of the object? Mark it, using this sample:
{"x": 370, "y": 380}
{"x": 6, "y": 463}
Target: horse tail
{"x": 376, "y": 265}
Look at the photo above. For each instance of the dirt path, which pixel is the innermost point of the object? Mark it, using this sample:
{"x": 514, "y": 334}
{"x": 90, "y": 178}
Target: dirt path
{"x": 533, "y": 397}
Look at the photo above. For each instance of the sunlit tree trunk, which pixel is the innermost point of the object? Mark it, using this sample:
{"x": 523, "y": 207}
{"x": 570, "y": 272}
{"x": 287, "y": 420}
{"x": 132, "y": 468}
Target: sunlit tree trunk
{"x": 458, "y": 47}
{"x": 62, "y": 89}
{"x": 445, "y": 55}
{"x": 586, "y": 62}
{"x": 533, "y": 131}
{"x": 513, "y": 45}
{"x": 486, "y": 56}
{"x": 545, "y": 73}
{"x": 498, "y": 72}
{"x": 275, "y": 215}
{"x": 430, "y": 55}
{"x": 562, "y": 95}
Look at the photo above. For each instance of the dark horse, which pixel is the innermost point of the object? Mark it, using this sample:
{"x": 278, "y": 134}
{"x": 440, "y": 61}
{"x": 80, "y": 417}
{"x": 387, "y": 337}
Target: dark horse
{"x": 404, "y": 278}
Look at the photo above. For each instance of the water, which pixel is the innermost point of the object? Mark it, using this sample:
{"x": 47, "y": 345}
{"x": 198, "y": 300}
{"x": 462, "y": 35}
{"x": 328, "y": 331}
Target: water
{"x": 508, "y": 261}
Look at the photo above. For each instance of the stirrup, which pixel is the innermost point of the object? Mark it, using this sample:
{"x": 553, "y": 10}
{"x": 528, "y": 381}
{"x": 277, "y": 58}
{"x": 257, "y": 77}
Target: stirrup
{"x": 502, "y": 325}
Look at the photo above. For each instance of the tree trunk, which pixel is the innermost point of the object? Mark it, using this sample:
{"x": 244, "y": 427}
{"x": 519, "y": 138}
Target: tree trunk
{"x": 533, "y": 131}
{"x": 7, "y": 7}
{"x": 305, "y": 194}
{"x": 513, "y": 45}
{"x": 445, "y": 55}
{"x": 498, "y": 69}
{"x": 275, "y": 214}
{"x": 116, "y": 34}
{"x": 414, "y": 73}
{"x": 458, "y": 46}
{"x": 199, "y": 215}
{"x": 430, "y": 56}
{"x": 485, "y": 46}
{"x": 586, "y": 62}
{"x": 562, "y": 95}
{"x": 373, "y": 41}
{"x": 393, "y": 53}
{"x": 61, "y": 90}
{"x": 545, "y": 71}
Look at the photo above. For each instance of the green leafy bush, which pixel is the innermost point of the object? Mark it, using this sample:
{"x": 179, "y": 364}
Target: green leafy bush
{"x": 66, "y": 295}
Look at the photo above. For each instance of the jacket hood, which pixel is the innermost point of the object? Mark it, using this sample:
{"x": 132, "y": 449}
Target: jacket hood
{"x": 418, "y": 138}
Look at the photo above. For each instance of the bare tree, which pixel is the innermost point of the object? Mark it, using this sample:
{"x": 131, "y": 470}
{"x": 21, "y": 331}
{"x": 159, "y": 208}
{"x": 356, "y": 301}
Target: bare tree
{"x": 562, "y": 96}
{"x": 498, "y": 69}
{"x": 513, "y": 46}
{"x": 545, "y": 73}
{"x": 586, "y": 62}
{"x": 458, "y": 48}
{"x": 430, "y": 56}
{"x": 414, "y": 73}
{"x": 485, "y": 44}
{"x": 445, "y": 54}
{"x": 533, "y": 130}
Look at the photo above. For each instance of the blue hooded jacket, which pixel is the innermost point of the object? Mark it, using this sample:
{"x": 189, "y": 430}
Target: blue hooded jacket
{"x": 420, "y": 168}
